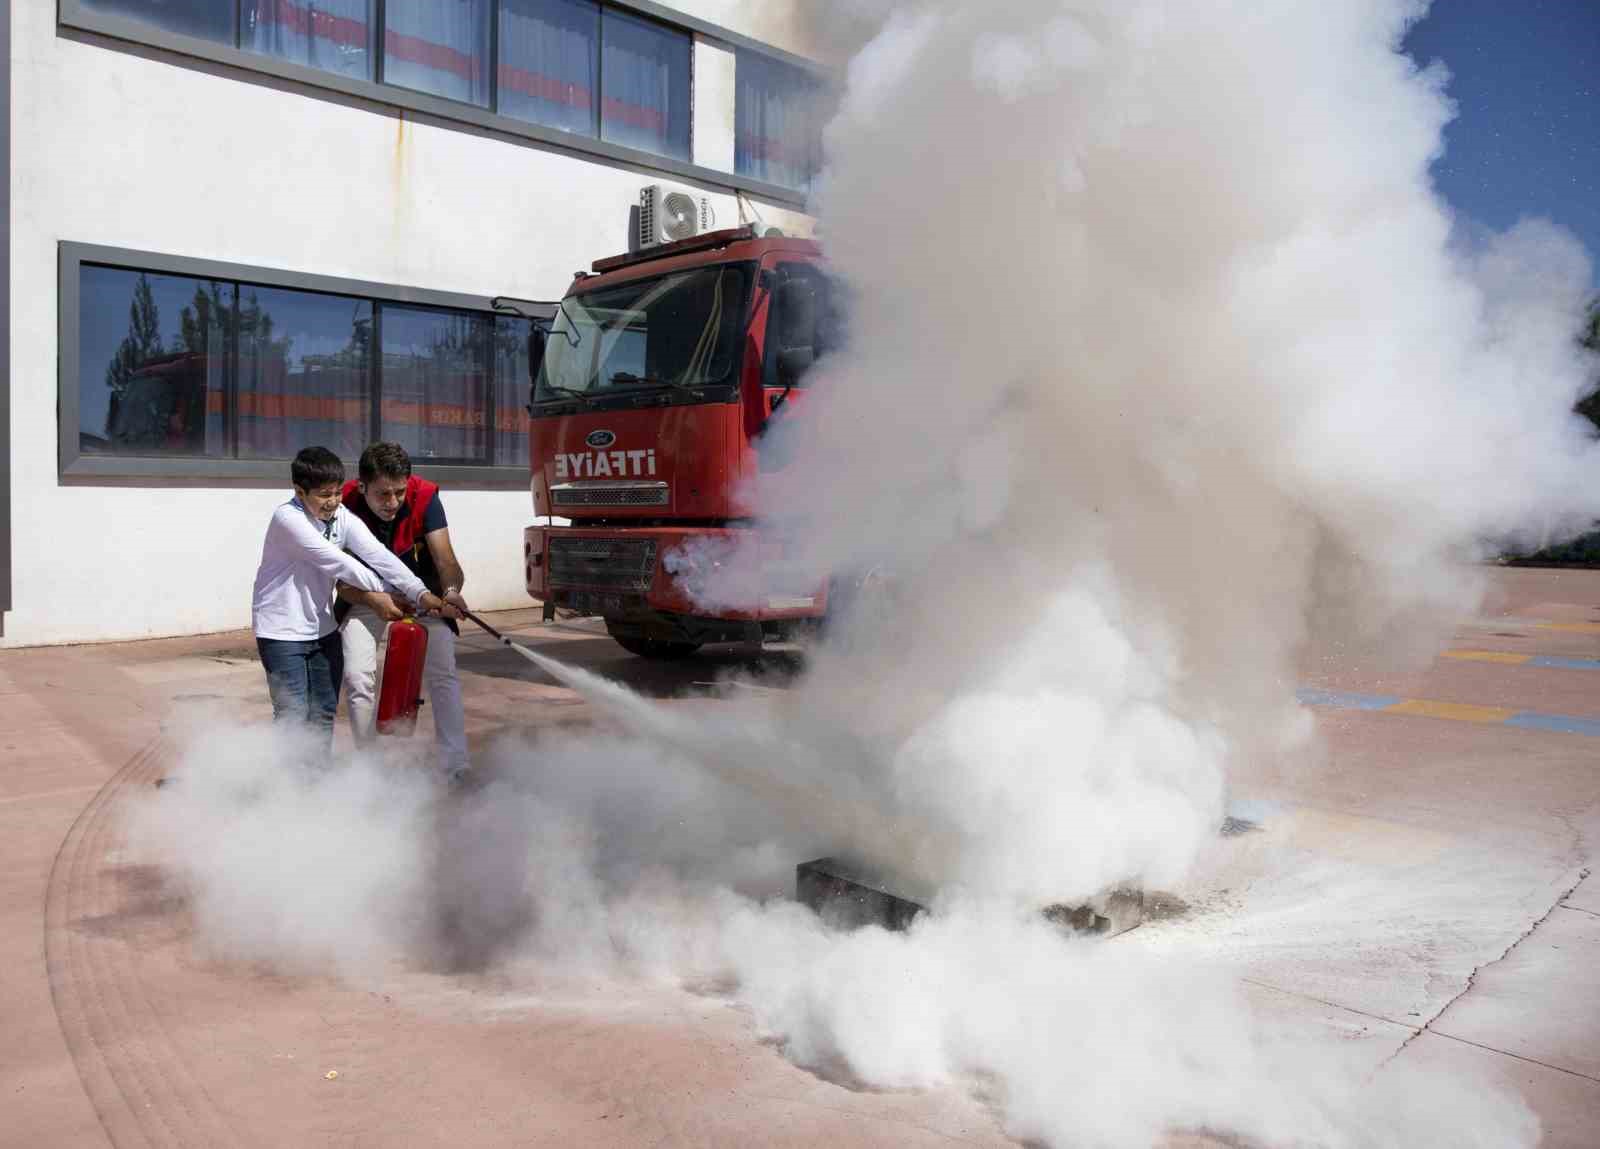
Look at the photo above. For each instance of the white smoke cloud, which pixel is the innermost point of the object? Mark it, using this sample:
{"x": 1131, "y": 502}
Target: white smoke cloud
{"x": 1163, "y": 362}
{"x": 624, "y": 858}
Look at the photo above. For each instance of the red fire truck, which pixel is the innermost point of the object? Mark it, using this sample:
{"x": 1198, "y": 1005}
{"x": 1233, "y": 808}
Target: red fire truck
{"x": 654, "y": 389}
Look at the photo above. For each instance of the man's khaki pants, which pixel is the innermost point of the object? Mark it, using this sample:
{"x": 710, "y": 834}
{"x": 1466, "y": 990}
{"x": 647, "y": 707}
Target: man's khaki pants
{"x": 363, "y": 633}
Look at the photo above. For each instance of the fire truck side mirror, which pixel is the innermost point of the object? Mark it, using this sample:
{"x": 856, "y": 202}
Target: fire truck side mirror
{"x": 794, "y": 362}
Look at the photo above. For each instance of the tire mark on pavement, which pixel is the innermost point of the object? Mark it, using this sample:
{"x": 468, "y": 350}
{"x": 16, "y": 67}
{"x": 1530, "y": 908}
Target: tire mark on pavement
{"x": 137, "y": 1083}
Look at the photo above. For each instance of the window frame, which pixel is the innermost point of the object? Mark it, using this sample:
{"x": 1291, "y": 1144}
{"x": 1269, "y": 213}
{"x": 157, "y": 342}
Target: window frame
{"x": 74, "y": 17}
{"x": 74, "y": 467}
{"x": 815, "y": 160}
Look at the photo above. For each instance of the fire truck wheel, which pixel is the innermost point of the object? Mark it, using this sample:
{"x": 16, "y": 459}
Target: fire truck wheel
{"x": 656, "y": 648}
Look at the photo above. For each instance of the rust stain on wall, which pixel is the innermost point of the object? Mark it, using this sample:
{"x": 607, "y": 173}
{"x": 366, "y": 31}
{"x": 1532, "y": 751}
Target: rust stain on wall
{"x": 399, "y": 176}
{"x": 400, "y": 157}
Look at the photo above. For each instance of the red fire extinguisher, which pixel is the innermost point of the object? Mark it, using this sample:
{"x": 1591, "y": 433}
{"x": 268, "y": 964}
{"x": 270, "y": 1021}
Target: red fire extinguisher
{"x": 400, "y": 686}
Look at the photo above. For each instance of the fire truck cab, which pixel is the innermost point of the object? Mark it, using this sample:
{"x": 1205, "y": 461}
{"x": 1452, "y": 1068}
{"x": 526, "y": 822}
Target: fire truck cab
{"x": 652, "y": 390}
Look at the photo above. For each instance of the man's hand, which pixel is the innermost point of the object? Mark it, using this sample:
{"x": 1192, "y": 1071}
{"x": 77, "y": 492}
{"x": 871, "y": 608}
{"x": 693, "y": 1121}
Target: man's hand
{"x": 431, "y": 603}
{"x": 453, "y": 597}
{"x": 383, "y": 606}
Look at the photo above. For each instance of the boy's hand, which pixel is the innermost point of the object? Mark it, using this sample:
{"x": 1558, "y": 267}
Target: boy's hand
{"x": 384, "y": 606}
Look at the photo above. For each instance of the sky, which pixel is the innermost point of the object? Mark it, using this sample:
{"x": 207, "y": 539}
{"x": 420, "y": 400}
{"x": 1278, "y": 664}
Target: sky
{"x": 1525, "y": 75}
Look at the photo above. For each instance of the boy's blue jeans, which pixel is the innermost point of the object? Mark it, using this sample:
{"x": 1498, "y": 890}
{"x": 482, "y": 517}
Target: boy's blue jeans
{"x": 303, "y": 679}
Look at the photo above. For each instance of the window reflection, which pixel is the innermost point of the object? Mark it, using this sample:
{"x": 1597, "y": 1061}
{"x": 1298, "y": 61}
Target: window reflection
{"x": 550, "y": 62}
{"x": 436, "y": 400}
{"x": 645, "y": 85}
{"x": 777, "y": 122}
{"x": 511, "y": 391}
{"x": 438, "y": 46}
{"x": 151, "y": 363}
{"x": 303, "y": 372}
{"x": 333, "y": 35}
{"x": 207, "y": 19}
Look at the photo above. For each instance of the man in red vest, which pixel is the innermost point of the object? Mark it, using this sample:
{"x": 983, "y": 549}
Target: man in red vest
{"x": 406, "y": 514}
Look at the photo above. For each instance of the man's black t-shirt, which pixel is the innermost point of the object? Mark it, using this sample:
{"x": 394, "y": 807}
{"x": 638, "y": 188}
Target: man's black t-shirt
{"x": 418, "y": 558}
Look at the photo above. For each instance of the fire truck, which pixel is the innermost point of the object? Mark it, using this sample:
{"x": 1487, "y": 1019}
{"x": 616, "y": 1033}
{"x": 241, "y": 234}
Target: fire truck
{"x": 655, "y": 388}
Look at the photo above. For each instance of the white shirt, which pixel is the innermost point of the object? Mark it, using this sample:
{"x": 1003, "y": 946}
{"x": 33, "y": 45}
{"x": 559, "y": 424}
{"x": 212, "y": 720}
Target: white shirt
{"x": 301, "y": 559}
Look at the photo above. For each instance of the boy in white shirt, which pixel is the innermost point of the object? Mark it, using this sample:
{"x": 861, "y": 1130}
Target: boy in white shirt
{"x": 292, "y": 607}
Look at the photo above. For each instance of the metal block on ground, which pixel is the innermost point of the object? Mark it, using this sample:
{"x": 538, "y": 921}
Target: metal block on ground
{"x": 1107, "y": 914}
{"x": 847, "y": 896}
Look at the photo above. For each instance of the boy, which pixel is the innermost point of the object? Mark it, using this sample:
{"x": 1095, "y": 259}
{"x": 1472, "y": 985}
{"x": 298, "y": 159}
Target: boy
{"x": 292, "y": 609}
{"x": 406, "y": 515}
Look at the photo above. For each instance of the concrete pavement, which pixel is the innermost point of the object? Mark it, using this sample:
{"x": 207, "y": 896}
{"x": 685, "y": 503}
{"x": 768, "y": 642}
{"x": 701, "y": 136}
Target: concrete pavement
{"x": 1422, "y": 891}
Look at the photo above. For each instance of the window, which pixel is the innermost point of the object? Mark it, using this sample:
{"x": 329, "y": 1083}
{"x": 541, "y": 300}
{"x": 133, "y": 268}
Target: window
{"x": 668, "y": 333}
{"x": 304, "y": 372}
{"x": 777, "y": 122}
{"x": 334, "y": 35}
{"x": 175, "y": 366}
{"x": 152, "y": 364}
{"x": 511, "y": 390}
{"x": 438, "y": 46}
{"x": 806, "y": 321}
{"x": 437, "y": 401}
{"x": 595, "y": 70}
{"x": 644, "y": 80}
{"x": 206, "y": 19}
{"x": 550, "y": 62}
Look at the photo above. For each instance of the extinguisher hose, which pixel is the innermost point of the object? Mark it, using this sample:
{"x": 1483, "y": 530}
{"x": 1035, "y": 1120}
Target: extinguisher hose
{"x": 548, "y": 665}
{"x": 487, "y": 627}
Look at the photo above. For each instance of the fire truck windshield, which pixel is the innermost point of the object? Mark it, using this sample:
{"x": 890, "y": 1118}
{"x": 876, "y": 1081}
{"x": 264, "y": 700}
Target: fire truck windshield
{"x": 671, "y": 333}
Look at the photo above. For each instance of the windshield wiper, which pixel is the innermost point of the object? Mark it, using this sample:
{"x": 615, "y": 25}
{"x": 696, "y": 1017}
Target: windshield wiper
{"x": 650, "y": 381}
{"x": 583, "y": 397}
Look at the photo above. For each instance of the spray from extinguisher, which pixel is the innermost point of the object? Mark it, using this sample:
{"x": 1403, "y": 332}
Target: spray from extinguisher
{"x": 837, "y": 806}
{"x": 566, "y": 675}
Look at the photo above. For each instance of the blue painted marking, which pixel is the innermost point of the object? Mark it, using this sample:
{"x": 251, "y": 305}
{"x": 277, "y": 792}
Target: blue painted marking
{"x": 1558, "y": 663}
{"x": 1338, "y": 700}
{"x": 1256, "y": 810}
{"x": 1560, "y": 723}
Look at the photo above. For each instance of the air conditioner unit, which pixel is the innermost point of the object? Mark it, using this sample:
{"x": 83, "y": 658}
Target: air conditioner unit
{"x": 667, "y": 215}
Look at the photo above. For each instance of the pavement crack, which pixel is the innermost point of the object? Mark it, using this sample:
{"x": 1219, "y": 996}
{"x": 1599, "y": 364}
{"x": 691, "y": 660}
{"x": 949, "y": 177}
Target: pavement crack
{"x": 1472, "y": 978}
{"x": 1330, "y": 1004}
{"x": 1520, "y": 1057}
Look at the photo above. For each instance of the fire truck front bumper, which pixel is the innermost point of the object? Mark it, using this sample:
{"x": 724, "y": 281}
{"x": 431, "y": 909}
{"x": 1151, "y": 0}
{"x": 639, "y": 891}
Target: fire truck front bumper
{"x": 691, "y": 575}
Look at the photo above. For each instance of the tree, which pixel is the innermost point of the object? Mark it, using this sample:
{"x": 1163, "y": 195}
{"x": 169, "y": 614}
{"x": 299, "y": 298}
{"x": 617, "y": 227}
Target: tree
{"x": 205, "y": 315}
{"x": 143, "y": 341}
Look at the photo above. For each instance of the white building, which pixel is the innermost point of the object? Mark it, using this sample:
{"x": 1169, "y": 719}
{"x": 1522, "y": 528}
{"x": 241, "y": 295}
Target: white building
{"x": 237, "y": 227}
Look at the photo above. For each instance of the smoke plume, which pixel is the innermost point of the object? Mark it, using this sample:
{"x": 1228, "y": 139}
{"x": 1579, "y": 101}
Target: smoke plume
{"x": 1161, "y": 361}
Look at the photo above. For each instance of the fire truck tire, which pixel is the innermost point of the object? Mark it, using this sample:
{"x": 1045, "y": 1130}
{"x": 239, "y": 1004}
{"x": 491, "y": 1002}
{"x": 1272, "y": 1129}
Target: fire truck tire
{"x": 656, "y": 648}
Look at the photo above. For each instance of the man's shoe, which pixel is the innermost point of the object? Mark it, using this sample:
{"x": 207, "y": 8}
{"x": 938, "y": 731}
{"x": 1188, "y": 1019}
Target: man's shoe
{"x": 463, "y": 781}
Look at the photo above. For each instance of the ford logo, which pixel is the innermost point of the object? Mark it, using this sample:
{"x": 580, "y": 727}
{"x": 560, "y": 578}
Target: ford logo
{"x": 600, "y": 439}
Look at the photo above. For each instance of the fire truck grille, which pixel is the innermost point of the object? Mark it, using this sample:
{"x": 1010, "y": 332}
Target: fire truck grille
{"x": 609, "y": 495}
{"x": 606, "y": 564}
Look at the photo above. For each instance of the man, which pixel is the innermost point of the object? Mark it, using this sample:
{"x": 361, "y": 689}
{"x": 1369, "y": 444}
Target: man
{"x": 291, "y": 608}
{"x": 407, "y": 516}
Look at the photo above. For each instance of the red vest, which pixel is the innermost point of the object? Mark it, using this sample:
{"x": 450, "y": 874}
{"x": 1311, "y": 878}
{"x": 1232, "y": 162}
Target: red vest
{"x": 407, "y": 542}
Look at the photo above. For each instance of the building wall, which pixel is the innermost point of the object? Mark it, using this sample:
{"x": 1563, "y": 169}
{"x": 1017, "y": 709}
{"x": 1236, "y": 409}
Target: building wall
{"x": 131, "y": 148}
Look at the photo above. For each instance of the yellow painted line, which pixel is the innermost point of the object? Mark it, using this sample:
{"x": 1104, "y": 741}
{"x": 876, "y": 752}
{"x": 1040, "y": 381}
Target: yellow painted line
{"x": 1460, "y": 711}
{"x": 1571, "y": 627}
{"x": 1488, "y": 656}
